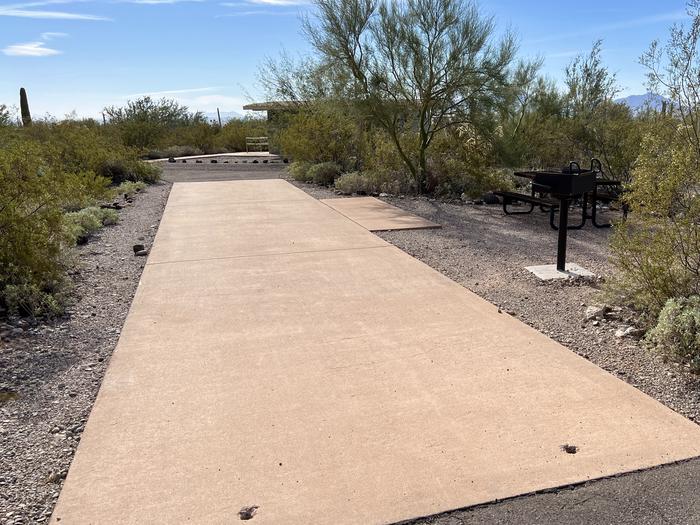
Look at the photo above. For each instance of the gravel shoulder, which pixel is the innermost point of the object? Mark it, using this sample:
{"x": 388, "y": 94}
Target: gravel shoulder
{"x": 486, "y": 251}
{"x": 54, "y": 370}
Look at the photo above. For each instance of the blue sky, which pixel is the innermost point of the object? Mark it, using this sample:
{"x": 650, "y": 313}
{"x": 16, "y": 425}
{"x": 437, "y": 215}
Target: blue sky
{"x": 84, "y": 54}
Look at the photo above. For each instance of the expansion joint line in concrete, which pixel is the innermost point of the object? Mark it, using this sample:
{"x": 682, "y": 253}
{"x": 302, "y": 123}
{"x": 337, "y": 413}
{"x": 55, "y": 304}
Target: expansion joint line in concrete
{"x": 275, "y": 254}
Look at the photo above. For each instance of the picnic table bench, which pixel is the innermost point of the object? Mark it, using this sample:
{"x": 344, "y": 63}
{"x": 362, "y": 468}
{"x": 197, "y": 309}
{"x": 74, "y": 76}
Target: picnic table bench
{"x": 256, "y": 144}
{"x": 546, "y": 182}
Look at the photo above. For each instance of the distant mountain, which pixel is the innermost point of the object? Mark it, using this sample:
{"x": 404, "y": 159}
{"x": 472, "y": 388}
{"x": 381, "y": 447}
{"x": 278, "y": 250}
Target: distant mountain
{"x": 225, "y": 116}
{"x": 637, "y": 102}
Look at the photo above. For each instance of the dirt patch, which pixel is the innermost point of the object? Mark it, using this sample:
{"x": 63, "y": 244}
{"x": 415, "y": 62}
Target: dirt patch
{"x": 54, "y": 370}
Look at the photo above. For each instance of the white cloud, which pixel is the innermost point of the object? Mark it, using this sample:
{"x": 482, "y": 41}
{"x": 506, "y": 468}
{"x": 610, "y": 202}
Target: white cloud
{"x": 173, "y": 92}
{"x": 253, "y": 6}
{"x": 161, "y": 2}
{"x": 35, "y": 49}
{"x": 258, "y": 12}
{"x": 50, "y": 35}
{"x": 30, "y": 49}
{"x": 26, "y": 10}
{"x": 279, "y": 2}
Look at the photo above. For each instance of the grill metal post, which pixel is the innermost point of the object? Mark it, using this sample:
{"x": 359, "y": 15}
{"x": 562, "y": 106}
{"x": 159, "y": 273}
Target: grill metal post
{"x": 563, "y": 230}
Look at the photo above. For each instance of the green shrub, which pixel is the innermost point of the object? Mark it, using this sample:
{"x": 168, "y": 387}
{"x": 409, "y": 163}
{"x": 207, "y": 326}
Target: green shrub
{"x": 371, "y": 182}
{"x": 34, "y": 192}
{"x": 353, "y": 182}
{"x": 232, "y": 135}
{"x": 147, "y": 124}
{"x": 677, "y": 332}
{"x": 31, "y": 299}
{"x": 175, "y": 151}
{"x": 459, "y": 178}
{"x": 461, "y": 161}
{"x": 119, "y": 170}
{"x": 80, "y": 225}
{"x": 324, "y": 173}
{"x": 656, "y": 250}
{"x": 299, "y": 170}
{"x": 322, "y": 133}
{"x": 129, "y": 188}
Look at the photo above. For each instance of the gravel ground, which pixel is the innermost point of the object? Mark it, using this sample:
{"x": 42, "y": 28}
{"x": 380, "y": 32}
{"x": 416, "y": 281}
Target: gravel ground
{"x": 486, "y": 251}
{"x": 50, "y": 373}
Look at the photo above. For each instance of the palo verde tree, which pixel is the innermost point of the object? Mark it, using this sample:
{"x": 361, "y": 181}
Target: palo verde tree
{"x": 597, "y": 125}
{"x": 418, "y": 66}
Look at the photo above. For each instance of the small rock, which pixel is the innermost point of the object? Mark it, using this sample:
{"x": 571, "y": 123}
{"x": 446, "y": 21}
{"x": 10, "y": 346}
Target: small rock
{"x": 629, "y": 331}
{"x": 247, "y": 513}
{"x": 383, "y": 194}
{"x": 138, "y": 248}
{"x": 595, "y": 312}
{"x": 213, "y": 161}
{"x": 171, "y": 159}
{"x": 141, "y": 253}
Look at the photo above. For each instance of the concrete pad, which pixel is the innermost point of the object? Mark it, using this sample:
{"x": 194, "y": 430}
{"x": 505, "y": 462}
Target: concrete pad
{"x": 351, "y": 384}
{"x": 219, "y": 220}
{"x": 548, "y": 272}
{"x": 376, "y": 215}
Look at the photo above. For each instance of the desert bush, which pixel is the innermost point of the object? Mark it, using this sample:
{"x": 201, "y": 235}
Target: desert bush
{"x": 322, "y": 133}
{"x": 129, "y": 188}
{"x": 299, "y": 170}
{"x": 657, "y": 250}
{"x": 144, "y": 123}
{"x": 353, "y": 182}
{"x": 324, "y": 173}
{"x": 80, "y": 225}
{"x": 462, "y": 161}
{"x": 5, "y": 116}
{"x": 119, "y": 170}
{"x": 373, "y": 182}
{"x": 232, "y": 135}
{"x": 83, "y": 146}
{"x": 34, "y": 192}
{"x": 677, "y": 332}
{"x": 175, "y": 151}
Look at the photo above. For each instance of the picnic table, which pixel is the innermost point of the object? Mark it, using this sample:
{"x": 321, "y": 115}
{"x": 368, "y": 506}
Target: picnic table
{"x": 562, "y": 186}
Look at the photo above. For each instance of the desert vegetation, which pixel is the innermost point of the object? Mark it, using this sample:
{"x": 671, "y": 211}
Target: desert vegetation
{"x": 55, "y": 175}
{"x": 421, "y": 97}
{"x": 415, "y": 97}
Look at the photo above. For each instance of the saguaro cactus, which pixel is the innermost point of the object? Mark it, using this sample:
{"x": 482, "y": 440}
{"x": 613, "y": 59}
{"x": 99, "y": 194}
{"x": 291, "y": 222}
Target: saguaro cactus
{"x": 24, "y": 108}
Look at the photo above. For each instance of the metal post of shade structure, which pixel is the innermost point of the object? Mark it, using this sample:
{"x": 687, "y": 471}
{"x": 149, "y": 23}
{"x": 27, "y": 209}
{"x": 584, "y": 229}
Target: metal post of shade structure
{"x": 563, "y": 230}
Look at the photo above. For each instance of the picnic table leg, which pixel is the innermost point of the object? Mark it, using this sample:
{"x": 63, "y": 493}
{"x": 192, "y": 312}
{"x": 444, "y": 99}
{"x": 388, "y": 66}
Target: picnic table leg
{"x": 563, "y": 230}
